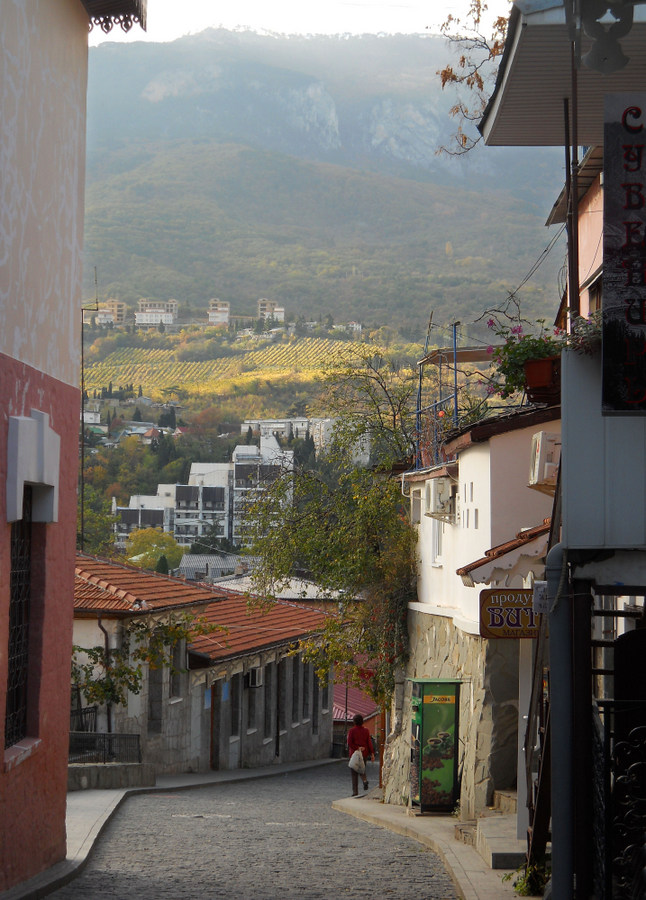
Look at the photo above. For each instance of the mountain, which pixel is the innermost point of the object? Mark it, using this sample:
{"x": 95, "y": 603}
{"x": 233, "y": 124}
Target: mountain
{"x": 236, "y": 165}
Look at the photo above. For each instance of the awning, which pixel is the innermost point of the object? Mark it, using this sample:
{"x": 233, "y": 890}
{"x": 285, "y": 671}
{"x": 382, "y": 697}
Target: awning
{"x": 514, "y": 558}
{"x": 534, "y": 78}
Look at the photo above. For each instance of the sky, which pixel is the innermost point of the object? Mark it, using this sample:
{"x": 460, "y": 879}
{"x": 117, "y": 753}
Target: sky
{"x": 168, "y": 19}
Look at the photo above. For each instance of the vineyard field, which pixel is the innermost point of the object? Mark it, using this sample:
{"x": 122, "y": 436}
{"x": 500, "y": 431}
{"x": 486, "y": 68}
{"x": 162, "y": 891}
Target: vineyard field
{"x": 157, "y": 370}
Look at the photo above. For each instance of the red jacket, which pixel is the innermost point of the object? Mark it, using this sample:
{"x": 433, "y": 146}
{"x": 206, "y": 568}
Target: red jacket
{"x": 359, "y": 739}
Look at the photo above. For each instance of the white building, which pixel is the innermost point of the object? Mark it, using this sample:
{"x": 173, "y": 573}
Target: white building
{"x": 219, "y": 312}
{"x": 480, "y": 526}
{"x": 269, "y": 309}
{"x": 218, "y": 495}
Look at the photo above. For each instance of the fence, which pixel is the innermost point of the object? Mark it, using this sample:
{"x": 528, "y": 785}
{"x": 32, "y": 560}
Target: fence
{"x": 83, "y": 719}
{"x": 104, "y": 748}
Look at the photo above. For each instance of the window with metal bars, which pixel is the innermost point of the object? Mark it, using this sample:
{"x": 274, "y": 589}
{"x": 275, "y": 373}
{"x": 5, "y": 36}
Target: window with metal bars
{"x": 19, "y": 603}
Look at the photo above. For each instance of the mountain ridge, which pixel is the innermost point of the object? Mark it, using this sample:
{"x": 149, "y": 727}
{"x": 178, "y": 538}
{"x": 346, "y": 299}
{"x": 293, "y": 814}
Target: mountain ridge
{"x": 305, "y": 170}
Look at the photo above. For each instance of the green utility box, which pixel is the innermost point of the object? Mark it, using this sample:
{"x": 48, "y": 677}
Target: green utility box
{"x": 434, "y": 744}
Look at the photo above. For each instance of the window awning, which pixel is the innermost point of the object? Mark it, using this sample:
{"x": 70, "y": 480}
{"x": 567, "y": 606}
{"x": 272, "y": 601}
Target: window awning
{"x": 517, "y": 557}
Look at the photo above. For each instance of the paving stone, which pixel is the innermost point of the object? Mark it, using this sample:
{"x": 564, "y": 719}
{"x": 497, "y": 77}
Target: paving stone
{"x": 269, "y": 839}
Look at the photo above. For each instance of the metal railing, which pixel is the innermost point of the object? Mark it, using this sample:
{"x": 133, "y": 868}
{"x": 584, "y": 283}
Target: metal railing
{"x": 102, "y": 748}
{"x": 620, "y": 807}
{"x": 83, "y": 719}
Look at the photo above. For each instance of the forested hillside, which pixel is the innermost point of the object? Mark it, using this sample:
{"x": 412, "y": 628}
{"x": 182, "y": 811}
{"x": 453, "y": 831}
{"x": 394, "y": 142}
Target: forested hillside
{"x": 236, "y": 166}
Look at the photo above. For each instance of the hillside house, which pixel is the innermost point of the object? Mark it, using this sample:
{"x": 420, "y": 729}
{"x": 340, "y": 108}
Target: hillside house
{"x": 233, "y": 698}
{"x": 596, "y": 582}
{"x": 42, "y": 147}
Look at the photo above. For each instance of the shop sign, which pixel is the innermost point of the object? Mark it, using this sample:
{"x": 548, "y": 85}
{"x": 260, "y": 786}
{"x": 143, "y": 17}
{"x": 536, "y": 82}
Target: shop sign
{"x": 624, "y": 255}
{"x": 507, "y": 613}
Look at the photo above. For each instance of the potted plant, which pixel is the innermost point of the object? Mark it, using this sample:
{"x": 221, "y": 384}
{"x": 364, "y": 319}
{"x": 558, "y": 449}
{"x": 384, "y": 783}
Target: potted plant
{"x": 526, "y": 361}
{"x": 531, "y": 361}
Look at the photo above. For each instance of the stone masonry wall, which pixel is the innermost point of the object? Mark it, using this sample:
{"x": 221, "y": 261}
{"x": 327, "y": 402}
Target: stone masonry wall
{"x": 488, "y": 710}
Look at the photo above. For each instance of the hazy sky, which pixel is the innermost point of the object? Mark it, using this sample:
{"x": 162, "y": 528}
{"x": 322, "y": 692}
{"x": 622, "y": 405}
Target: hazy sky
{"x": 170, "y": 19}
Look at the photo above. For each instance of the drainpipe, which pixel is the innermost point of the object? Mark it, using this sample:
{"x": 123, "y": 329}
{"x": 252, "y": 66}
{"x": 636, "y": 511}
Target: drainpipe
{"x": 561, "y": 712}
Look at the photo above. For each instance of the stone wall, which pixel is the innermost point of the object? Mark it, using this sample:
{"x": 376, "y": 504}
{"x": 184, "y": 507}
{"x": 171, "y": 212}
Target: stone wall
{"x": 488, "y": 709}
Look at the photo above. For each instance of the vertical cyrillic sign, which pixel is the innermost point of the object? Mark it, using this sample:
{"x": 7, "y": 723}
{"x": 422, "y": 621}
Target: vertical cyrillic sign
{"x": 624, "y": 256}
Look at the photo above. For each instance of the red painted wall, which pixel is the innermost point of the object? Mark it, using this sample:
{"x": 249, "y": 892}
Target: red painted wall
{"x": 33, "y": 788}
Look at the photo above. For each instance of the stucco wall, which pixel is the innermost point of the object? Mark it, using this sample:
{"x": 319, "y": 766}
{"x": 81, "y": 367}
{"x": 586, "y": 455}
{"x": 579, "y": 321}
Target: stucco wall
{"x": 43, "y": 75}
{"x": 488, "y": 671}
{"x": 33, "y": 785}
{"x": 43, "y": 78}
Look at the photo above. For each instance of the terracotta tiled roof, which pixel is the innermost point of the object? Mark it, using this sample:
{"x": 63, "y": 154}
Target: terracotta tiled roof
{"x": 249, "y": 630}
{"x": 104, "y": 585}
{"x": 357, "y": 702}
{"x": 521, "y": 541}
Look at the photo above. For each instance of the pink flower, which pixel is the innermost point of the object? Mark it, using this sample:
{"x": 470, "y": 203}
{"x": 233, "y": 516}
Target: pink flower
{"x": 490, "y": 390}
{"x": 491, "y": 324}
{"x": 490, "y": 349}
{"x": 517, "y": 329}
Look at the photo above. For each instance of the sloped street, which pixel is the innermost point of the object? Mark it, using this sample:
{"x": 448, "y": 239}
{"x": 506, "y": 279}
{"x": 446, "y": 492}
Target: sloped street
{"x": 255, "y": 840}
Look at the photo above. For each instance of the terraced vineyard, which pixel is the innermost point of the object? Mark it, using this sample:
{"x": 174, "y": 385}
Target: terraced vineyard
{"x": 158, "y": 370}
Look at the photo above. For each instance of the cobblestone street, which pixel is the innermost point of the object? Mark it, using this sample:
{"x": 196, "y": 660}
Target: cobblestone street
{"x": 268, "y": 839}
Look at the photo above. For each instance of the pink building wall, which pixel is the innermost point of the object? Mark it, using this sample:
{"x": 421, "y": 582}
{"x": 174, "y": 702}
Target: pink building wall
{"x": 43, "y": 78}
{"x": 33, "y": 780}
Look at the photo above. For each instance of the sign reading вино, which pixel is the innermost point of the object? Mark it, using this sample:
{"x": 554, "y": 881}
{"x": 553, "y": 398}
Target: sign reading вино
{"x": 624, "y": 255}
{"x": 507, "y": 613}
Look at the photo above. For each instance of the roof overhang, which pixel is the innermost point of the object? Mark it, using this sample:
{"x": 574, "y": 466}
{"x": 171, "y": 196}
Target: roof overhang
{"x": 534, "y": 79}
{"x": 108, "y": 13}
{"x": 505, "y": 564}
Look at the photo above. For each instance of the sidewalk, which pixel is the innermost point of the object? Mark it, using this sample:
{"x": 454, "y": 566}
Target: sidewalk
{"x": 89, "y": 811}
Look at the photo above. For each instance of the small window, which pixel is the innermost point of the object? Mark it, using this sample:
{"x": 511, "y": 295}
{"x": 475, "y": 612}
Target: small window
{"x": 416, "y": 507}
{"x": 19, "y": 614}
{"x": 296, "y": 672}
{"x": 178, "y": 662}
{"x": 315, "y": 703}
{"x": 475, "y": 518}
{"x": 325, "y": 694}
{"x": 306, "y": 690}
{"x": 268, "y": 698}
{"x": 251, "y": 708}
{"x": 281, "y": 694}
{"x": 235, "y": 704}
{"x": 437, "y": 534}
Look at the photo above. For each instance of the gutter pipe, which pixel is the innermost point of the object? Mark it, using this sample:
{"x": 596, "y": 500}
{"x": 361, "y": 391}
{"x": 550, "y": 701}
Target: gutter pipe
{"x": 561, "y": 713}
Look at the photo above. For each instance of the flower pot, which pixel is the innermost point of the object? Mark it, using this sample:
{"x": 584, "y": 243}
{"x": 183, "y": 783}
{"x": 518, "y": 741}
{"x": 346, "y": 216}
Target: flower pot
{"x": 543, "y": 380}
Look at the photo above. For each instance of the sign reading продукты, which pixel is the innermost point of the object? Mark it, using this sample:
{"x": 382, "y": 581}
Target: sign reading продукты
{"x": 624, "y": 255}
{"x": 507, "y": 613}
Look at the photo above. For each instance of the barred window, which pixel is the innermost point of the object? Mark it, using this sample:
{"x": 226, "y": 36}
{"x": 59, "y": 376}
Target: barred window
{"x": 19, "y": 603}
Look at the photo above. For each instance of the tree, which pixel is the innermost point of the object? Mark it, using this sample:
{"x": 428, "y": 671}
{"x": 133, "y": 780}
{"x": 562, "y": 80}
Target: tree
{"x": 136, "y": 417}
{"x": 373, "y": 396}
{"x": 145, "y": 546}
{"x": 346, "y": 527}
{"x": 162, "y": 565}
{"x": 97, "y": 537}
{"x": 475, "y": 70}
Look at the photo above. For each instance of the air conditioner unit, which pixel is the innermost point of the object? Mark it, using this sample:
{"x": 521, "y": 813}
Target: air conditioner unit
{"x": 254, "y": 678}
{"x": 544, "y": 463}
{"x": 440, "y": 498}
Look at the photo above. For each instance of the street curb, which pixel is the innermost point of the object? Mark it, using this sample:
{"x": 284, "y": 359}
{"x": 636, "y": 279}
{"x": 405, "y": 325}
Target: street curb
{"x": 63, "y": 872}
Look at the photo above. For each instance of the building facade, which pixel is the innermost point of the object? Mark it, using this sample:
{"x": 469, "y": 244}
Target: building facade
{"x": 42, "y": 109}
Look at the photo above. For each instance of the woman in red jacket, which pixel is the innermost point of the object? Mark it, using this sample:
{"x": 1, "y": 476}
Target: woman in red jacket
{"x": 359, "y": 739}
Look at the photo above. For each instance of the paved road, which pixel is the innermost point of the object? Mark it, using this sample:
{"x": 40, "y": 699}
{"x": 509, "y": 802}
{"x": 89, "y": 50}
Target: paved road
{"x": 271, "y": 839}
